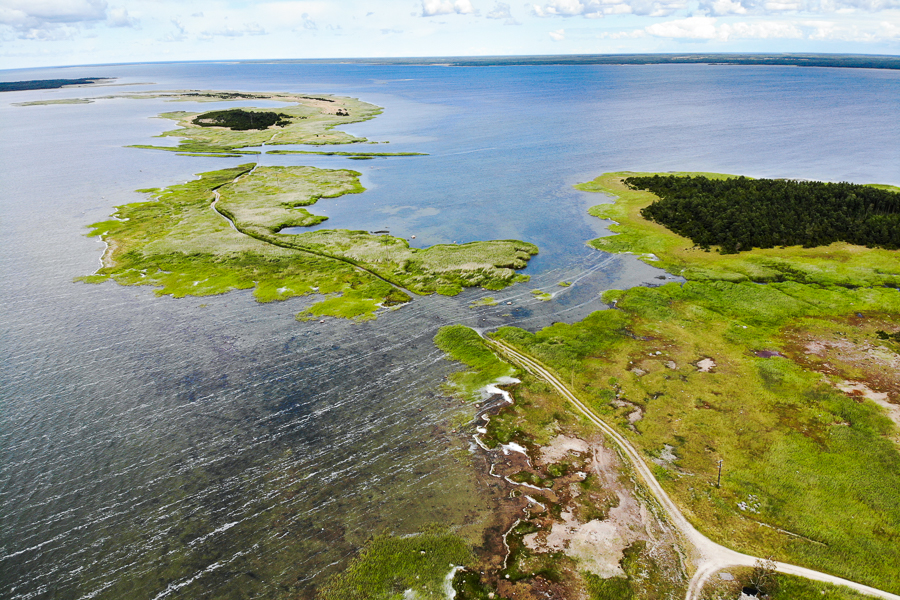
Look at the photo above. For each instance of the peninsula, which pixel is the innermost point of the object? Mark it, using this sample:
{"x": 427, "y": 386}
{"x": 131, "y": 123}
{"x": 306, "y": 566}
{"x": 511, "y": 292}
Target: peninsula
{"x": 761, "y": 398}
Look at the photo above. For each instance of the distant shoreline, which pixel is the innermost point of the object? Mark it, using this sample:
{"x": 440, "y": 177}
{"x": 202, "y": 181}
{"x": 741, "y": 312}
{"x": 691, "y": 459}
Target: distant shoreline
{"x": 851, "y": 61}
{"x": 49, "y": 84}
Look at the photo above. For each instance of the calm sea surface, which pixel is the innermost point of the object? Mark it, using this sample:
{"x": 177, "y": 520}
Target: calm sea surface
{"x": 215, "y": 447}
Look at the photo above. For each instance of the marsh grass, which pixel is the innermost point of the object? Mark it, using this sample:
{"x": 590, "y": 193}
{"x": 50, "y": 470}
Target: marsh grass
{"x": 389, "y": 566}
{"x": 788, "y": 587}
{"x": 798, "y": 455}
{"x": 182, "y": 243}
{"x": 464, "y": 345}
{"x": 486, "y": 301}
{"x": 178, "y": 244}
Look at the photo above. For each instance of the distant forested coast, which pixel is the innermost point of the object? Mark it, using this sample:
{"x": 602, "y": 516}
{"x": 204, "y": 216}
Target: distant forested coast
{"x": 46, "y": 84}
{"x": 852, "y": 61}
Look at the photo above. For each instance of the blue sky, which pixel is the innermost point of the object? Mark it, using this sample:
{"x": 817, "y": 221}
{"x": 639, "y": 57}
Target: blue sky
{"x": 66, "y": 32}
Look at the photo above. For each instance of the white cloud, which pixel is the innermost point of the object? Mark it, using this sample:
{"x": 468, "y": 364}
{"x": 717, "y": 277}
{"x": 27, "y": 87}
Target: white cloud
{"x": 691, "y": 28}
{"x": 119, "y": 17}
{"x": 231, "y": 32}
{"x": 764, "y": 7}
{"x": 500, "y": 11}
{"x": 431, "y": 8}
{"x": 33, "y": 13}
{"x": 724, "y": 7}
{"x": 707, "y": 28}
{"x": 594, "y": 9}
{"x": 558, "y": 35}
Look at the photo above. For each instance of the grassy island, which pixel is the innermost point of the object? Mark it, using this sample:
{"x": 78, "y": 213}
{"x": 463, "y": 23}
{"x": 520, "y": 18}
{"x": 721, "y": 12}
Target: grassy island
{"x": 222, "y": 232}
{"x": 307, "y": 120}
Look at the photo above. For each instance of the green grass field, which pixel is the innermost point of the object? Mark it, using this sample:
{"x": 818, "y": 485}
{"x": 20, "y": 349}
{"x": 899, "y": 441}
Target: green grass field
{"x": 463, "y": 344}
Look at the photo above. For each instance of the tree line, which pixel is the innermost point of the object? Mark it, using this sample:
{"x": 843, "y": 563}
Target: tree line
{"x": 242, "y": 120}
{"x": 741, "y": 213}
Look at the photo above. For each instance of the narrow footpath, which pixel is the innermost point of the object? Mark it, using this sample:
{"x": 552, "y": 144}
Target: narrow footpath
{"x": 708, "y": 557}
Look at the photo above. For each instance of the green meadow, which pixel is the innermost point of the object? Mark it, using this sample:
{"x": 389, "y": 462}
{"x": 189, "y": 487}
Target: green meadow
{"x": 462, "y": 344}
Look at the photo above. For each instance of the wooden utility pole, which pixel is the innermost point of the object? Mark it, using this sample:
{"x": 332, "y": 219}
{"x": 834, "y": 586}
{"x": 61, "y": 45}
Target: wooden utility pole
{"x": 719, "y": 479}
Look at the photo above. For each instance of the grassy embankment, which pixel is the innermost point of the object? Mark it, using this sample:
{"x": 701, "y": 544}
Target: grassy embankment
{"x": 463, "y": 344}
{"x": 810, "y": 473}
{"x": 180, "y": 243}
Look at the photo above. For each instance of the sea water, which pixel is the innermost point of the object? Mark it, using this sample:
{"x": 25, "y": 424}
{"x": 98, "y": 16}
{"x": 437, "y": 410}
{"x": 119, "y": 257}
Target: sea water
{"x": 217, "y": 448}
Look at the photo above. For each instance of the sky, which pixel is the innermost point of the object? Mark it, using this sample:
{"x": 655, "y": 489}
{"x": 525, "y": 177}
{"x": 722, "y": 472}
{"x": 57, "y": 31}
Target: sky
{"x": 35, "y": 33}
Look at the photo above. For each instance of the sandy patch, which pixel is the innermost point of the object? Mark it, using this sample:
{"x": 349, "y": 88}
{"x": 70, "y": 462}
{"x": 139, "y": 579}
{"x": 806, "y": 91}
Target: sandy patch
{"x": 561, "y": 446}
{"x": 597, "y": 545}
{"x": 706, "y": 365}
{"x": 636, "y": 415}
{"x": 856, "y": 388}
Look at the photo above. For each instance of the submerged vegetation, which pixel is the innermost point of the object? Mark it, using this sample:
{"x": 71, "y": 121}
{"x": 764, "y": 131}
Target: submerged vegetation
{"x": 221, "y": 232}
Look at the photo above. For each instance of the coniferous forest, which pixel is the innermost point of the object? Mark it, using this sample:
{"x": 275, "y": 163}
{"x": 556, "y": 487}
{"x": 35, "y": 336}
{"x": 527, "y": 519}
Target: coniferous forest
{"x": 242, "y": 120}
{"x": 740, "y": 213}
